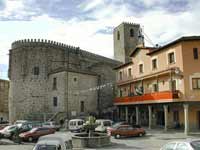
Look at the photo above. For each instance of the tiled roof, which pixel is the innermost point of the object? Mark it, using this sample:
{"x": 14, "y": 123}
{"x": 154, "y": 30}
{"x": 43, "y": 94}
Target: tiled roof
{"x": 123, "y": 65}
{"x": 184, "y": 38}
{"x": 137, "y": 48}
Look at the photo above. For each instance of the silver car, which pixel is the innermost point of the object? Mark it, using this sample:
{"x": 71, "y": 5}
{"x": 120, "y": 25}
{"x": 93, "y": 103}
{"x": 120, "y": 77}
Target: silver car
{"x": 182, "y": 145}
{"x": 53, "y": 142}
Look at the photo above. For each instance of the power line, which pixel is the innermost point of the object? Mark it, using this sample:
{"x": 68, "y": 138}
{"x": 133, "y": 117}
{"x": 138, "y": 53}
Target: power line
{"x": 146, "y": 37}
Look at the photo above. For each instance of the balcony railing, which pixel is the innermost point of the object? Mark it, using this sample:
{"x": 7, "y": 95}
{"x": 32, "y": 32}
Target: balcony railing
{"x": 132, "y": 79}
{"x": 146, "y": 98}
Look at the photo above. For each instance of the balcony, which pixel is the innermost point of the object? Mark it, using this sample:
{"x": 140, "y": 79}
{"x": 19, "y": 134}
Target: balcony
{"x": 169, "y": 71}
{"x": 157, "y": 97}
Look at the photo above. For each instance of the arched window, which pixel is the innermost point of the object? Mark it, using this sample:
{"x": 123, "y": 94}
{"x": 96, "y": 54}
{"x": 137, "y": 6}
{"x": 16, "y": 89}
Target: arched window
{"x": 118, "y": 35}
{"x": 131, "y": 33}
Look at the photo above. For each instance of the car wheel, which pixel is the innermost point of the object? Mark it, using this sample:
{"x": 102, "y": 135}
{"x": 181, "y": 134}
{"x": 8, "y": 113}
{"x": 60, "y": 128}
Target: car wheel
{"x": 30, "y": 139}
{"x": 117, "y": 136}
{"x": 140, "y": 134}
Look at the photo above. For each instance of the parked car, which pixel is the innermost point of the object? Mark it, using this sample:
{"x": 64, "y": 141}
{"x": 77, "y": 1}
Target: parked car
{"x": 20, "y": 122}
{"x": 8, "y": 131}
{"x": 115, "y": 125}
{"x": 2, "y": 126}
{"x": 54, "y": 142}
{"x": 185, "y": 145}
{"x": 76, "y": 125}
{"x": 52, "y": 125}
{"x": 103, "y": 124}
{"x": 35, "y": 133}
{"x": 126, "y": 130}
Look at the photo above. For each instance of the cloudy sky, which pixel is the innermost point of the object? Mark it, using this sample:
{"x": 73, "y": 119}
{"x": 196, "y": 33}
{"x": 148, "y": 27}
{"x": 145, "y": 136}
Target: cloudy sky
{"x": 89, "y": 23}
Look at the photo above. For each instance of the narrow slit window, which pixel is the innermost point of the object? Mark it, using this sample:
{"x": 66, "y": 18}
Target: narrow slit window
{"x": 54, "y": 83}
{"x": 36, "y": 70}
{"x": 55, "y": 101}
{"x": 131, "y": 33}
{"x": 118, "y": 35}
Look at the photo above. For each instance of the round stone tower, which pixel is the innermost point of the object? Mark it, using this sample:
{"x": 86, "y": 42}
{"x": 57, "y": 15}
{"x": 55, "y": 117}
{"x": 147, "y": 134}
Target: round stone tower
{"x": 30, "y": 62}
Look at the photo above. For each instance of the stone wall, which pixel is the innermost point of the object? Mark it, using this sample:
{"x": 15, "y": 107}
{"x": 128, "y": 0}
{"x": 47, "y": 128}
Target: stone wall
{"x": 126, "y": 43}
{"x": 32, "y": 93}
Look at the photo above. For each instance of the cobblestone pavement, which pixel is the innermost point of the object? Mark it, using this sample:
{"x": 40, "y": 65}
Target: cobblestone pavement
{"x": 152, "y": 141}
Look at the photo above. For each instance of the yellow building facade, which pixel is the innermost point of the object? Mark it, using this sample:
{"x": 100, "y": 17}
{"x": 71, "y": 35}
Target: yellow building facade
{"x": 161, "y": 86}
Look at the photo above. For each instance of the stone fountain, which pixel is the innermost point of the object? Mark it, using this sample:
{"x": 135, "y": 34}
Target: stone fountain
{"x": 90, "y": 139}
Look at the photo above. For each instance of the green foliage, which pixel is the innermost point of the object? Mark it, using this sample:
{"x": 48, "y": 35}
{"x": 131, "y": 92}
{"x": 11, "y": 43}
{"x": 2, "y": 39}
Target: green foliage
{"x": 90, "y": 124}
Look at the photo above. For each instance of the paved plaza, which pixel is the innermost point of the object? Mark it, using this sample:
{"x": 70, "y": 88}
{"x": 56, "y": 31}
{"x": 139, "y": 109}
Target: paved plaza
{"x": 152, "y": 141}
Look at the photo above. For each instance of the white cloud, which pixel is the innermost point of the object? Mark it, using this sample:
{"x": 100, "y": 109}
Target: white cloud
{"x": 160, "y": 25}
{"x": 150, "y": 3}
{"x": 12, "y": 6}
{"x": 88, "y": 4}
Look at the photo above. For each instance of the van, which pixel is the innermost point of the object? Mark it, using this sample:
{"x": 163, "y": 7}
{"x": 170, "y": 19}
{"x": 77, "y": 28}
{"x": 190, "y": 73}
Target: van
{"x": 52, "y": 124}
{"x": 103, "y": 124}
{"x": 76, "y": 125}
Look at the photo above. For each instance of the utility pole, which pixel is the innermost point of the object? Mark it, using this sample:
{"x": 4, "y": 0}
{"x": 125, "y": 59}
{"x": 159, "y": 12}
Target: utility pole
{"x": 98, "y": 96}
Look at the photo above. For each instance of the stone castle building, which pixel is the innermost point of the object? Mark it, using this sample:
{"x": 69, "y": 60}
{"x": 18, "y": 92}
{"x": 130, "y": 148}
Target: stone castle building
{"x": 53, "y": 79}
{"x": 4, "y": 89}
{"x": 48, "y": 78}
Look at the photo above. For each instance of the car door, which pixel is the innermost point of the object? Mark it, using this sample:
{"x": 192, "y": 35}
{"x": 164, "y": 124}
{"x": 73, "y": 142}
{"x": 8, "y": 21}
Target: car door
{"x": 119, "y": 131}
{"x": 38, "y": 132}
{"x": 131, "y": 131}
{"x": 125, "y": 131}
{"x": 45, "y": 131}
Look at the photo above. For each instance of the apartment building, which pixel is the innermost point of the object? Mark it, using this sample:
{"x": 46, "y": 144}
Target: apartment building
{"x": 160, "y": 87}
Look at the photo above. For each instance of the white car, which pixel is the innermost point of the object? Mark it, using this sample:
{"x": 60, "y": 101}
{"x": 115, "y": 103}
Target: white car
{"x": 53, "y": 142}
{"x": 76, "y": 125}
{"x": 103, "y": 124}
{"x": 182, "y": 145}
{"x": 21, "y": 121}
{"x": 7, "y": 131}
{"x": 51, "y": 124}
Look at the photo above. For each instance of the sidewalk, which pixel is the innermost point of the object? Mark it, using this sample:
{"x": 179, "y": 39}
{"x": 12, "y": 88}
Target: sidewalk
{"x": 6, "y": 142}
{"x": 171, "y": 134}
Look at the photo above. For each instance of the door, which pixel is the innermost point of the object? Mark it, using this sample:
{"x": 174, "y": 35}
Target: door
{"x": 160, "y": 118}
{"x": 122, "y": 131}
{"x": 198, "y": 119}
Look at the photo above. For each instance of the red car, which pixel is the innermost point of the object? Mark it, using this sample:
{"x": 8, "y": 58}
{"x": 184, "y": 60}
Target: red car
{"x": 126, "y": 130}
{"x": 116, "y": 125}
{"x": 2, "y": 126}
{"x": 35, "y": 133}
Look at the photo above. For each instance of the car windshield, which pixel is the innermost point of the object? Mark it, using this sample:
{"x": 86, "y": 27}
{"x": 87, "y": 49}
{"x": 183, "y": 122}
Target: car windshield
{"x": 10, "y": 128}
{"x": 47, "y": 123}
{"x": 20, "y": 122}
{"x": 33, "y": 130}
{"x": 107, "y": 123}
{"x": 47, "y": 147}
{"x": 195, "y": 145}
{"x": 80, "y": 122}
{"x": 116, "y": 124}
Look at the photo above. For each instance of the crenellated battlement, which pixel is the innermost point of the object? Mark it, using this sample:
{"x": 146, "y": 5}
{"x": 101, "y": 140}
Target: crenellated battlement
{"x": 131, "y": 23}
{"x": 50, "y": 43}
{"x": 41, "y": 42}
